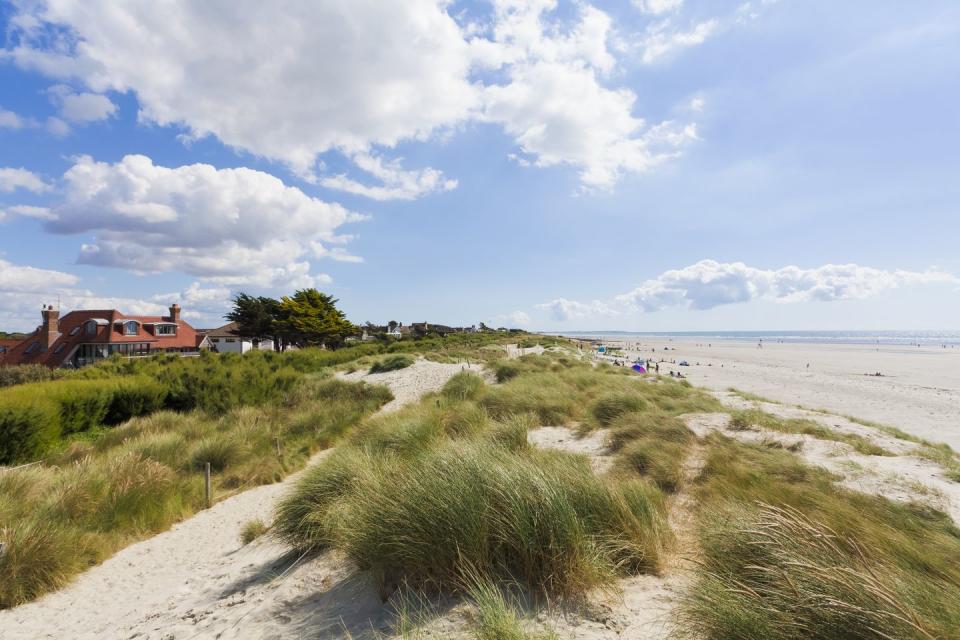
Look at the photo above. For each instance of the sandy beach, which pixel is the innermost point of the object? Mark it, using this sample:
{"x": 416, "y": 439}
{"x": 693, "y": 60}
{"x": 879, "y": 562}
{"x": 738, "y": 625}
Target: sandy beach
{"x": 918, "y": 392}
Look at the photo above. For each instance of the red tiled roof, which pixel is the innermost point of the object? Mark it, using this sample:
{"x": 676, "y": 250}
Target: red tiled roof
{"x": 72, "y": 334}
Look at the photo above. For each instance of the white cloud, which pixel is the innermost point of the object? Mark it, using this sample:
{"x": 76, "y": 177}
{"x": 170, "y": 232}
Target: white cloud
{"x": 657, "y": 7}
{"x": 27, "y": 211}
{"x": 57, "y": 127}
{"x": 81, "y": 107}
{"x": 10, "y": 120}
{"x": 562, "y": 309}
{"x": 22, "y": 279}
{"x": 24, "y": 290}
{"x": 555, "y": 105}
{"x": 697, "y": 104}
{"x": 398, "y": 184}
{"x": 708, "y": 284}
{"x": 513, "y": 319}
{"x": 11, "y": 179}
{"x": 290, "y": 84}
{"x": 663, "y": 39}
{"x": 359, "y": 77}
{"x": 226, "y": 226}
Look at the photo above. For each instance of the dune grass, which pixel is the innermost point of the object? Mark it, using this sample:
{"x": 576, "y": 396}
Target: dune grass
{"x": 449, "y": 488}
{"x": 253, "y": 530}
{"x": 391, "y": 363}
{"x": 114, "y": 486}
{"x": 786, "y": 554}
{"x": 752, "y": 419}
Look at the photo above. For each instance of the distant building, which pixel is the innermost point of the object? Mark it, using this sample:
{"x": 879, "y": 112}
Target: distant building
{"x": 83, "y": 337}
{"x": 227, "y": 339}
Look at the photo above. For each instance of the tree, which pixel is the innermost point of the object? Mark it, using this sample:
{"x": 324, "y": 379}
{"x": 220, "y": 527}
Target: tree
{"x": 255, "y": 317}
{"x": 392, "y": 325}
{"x": 312, "y": 318}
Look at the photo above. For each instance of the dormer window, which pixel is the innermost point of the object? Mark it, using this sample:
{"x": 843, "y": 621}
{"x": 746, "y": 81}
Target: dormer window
{"x": 90, "y": 327}
{"x": 130, "y": 328}
{"x": 166, "y": 329}
{"x": 33, "y": 347}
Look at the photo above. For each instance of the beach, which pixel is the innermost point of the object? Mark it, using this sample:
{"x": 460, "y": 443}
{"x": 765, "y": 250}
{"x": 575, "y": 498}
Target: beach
{"x": 918, "y": 391}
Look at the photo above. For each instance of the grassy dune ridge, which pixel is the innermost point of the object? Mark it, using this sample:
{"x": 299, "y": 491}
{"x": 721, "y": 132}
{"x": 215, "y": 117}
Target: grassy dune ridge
{"x": 113, "y": 486}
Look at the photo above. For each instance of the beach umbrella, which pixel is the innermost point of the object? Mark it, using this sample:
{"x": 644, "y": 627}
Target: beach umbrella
{"x": 639, "y": 368}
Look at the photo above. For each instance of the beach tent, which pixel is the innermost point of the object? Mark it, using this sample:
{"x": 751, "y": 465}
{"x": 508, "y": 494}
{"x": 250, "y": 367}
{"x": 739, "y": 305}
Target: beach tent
{"x": 639, "y": 368}
{"x": 602, "y": 349}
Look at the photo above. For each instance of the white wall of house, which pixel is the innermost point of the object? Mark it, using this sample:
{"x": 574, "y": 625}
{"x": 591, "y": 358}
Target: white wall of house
{"x": 239, "y": 345}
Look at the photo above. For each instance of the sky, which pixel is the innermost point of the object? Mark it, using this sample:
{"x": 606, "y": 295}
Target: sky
{"x": 641, "y": 165}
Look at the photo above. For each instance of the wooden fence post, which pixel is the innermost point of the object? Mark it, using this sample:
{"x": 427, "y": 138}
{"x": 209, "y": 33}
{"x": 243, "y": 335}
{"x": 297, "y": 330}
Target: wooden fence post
{"x": 206, "y": 483}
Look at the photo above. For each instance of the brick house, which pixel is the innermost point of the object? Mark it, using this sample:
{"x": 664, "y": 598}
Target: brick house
{"x": 83, "y": 337}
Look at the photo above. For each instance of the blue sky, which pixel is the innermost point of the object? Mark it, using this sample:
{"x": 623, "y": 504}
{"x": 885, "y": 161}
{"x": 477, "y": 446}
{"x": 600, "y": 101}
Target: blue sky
{"x": 636, "y": 165}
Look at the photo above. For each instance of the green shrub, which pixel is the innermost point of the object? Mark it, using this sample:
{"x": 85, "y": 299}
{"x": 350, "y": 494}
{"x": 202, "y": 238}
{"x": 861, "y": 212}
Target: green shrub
{"x": 391, "y": 363}
{"x": 28, "y": 428}
{"x": 134, "y": 396}
{"x": 20, "y": 374}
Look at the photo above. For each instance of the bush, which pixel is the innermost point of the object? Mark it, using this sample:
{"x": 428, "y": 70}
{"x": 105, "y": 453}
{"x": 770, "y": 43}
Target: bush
{"x": 20, "y": 374}
{"x": 391, "y": 363}
{"x": 27, "y": 431}
{"x": 542, "y": 517}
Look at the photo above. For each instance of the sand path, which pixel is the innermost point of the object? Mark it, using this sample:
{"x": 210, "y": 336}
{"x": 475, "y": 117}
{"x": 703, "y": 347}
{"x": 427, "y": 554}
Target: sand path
{"x": 197, "y": 580}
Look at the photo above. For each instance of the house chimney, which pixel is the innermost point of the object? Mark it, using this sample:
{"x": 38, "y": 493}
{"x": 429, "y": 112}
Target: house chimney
{"x": 50, "y": 329}
{"x": 175, "y": 313}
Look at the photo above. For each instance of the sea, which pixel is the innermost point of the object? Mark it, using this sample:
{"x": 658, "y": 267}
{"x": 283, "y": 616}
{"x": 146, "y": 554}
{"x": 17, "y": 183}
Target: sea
{"x": 947, "y": 338}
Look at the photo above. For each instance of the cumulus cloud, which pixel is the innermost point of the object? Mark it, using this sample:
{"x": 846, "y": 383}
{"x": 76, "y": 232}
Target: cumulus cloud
{"x": 24, "y": 290}
{"x": 10, "y": 120}
{"x": 228, "y": 226}
{"x": 555, "y": 105}
{"x": 513, "y": 319}
{"x": 293, "y": 83}
{"x": 81, "y": 107}
{"x": 663, "y": 39}
{"x": 562, "y": 309}
{"x": 360, "y": 77}
{"x": 398, "y": 184}
{"x": 11, "y": 179}
{"x": 657, "y": 7}
{"x": 708, "y": 284}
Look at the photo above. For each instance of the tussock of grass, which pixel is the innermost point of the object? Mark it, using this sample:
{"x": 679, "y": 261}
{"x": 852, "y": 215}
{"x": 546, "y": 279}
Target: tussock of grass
{"x": 465, "y": 385}
{"x": 751, "y": 419}
{"x": 653, "y": 445}
{"x": 253, "y": 530}
{"x": 540, "y": 517}
{"x": 391, "y": 363}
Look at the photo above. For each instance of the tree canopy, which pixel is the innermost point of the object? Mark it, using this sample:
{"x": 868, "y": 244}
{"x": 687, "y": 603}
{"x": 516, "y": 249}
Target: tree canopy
{"x": 307, "y": 318}
{"x": 310, "y": 317}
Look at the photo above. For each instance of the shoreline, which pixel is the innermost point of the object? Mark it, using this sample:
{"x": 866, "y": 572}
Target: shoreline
{"x": 918, "y": 390}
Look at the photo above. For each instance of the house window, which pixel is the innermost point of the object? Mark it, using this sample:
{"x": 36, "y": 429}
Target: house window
{"x": 74, "y": 331}
{"x": 166, "y": 329}
{"x": 231, "y": 339}
{"x": 91, "y": 327}
{"x": 130, "y": 328}
{"x": 33, "y": 347}
{"x": 216, "y": 340}
{"x": 59, "y": 348}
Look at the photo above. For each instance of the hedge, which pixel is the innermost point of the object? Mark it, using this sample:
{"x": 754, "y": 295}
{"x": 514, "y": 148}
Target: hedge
{"x": 35, "y": 416}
